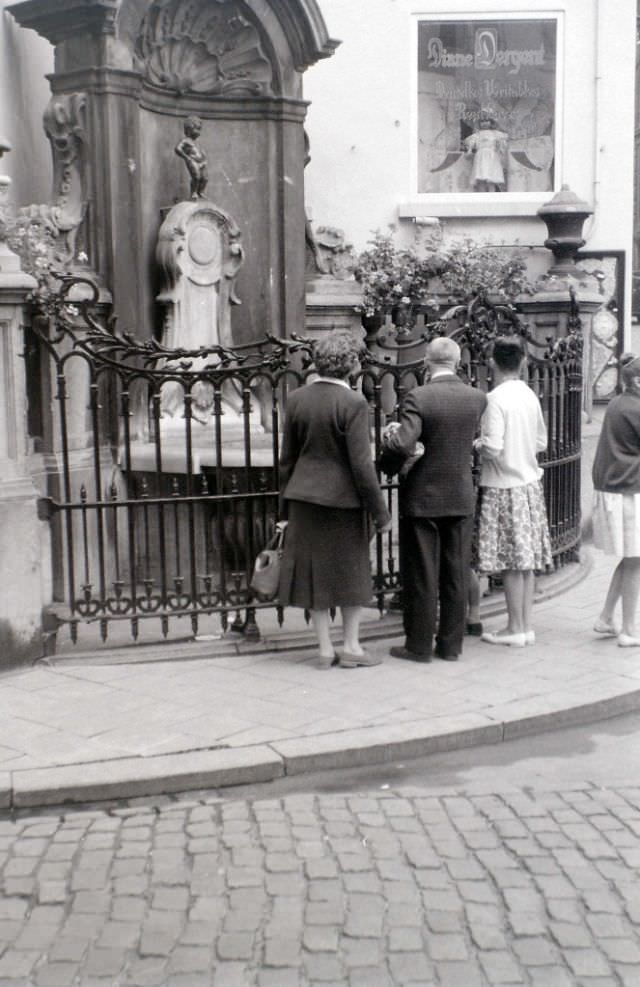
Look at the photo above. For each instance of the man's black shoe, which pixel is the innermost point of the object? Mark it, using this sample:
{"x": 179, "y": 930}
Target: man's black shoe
{"x": 440, "y": 651}
{"x": 398, "y": 651}
{"x": 446, "y": 656}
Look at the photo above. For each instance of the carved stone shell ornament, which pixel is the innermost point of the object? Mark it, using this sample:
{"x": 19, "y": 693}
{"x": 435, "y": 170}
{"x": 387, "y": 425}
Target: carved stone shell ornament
{"x": 202, "y": 47}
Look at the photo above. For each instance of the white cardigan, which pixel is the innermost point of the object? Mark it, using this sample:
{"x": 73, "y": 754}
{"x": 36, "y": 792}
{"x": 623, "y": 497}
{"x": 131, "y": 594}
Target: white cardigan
{"x": 512, "y": 433}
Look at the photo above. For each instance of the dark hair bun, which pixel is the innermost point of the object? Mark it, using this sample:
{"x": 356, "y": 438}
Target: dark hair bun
{"x": 627, "y": 358}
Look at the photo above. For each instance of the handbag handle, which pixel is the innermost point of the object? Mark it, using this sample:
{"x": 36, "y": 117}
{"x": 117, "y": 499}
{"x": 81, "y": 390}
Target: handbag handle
{"x": 276, "y": 541}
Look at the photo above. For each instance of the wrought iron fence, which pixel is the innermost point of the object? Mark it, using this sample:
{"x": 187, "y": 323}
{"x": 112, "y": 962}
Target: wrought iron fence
{"x": 163, "y": 483}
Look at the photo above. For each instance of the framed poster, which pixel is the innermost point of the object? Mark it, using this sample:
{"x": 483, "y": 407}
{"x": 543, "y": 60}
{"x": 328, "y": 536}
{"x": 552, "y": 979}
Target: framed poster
{"x": 487, "y": 105}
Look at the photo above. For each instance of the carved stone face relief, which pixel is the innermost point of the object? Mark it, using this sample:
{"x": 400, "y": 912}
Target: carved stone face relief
{"x": 202, "y": 47}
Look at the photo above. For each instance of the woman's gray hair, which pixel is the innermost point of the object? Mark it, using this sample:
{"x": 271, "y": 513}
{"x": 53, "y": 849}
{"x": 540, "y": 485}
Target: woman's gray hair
{"x": 336, "y": 354}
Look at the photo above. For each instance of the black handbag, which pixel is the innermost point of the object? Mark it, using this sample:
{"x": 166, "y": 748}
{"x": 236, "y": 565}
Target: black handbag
{"x": 266, "y": 571}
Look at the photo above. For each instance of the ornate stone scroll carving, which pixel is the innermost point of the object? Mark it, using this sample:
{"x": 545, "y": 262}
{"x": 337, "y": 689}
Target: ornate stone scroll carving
{"x": 200, "y": 254}
{"x": 330, "y": 254}
{"x": 65, "y": 126}
{"x": 202, "y": 47}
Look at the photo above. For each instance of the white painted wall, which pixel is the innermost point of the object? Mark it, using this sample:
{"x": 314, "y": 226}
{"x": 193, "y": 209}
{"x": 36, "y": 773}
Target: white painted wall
{"x": 359, "y": 120}
{"x": 25, "y": 58}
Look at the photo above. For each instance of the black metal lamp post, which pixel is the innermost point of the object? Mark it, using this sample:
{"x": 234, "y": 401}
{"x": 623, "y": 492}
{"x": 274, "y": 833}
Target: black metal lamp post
{"x": 564, "y": 216}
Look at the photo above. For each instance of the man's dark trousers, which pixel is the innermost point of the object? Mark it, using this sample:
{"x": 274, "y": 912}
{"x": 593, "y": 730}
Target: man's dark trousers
{"x": 435, "y": 557}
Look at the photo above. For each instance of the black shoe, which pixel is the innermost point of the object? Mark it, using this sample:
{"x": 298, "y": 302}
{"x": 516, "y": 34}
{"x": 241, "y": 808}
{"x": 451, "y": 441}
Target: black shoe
{"x": 445, "y": 655}
{"x": 474, "y": 630}
{"x": 442, "y": 651}
{"x": 398, "y": 651}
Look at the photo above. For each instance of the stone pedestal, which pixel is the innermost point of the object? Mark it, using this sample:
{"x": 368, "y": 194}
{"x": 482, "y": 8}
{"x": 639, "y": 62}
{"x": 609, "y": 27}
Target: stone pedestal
{"x": 548, "y": 312}
{"x": 332, "y": 304}
{"x": 25, "y": 554}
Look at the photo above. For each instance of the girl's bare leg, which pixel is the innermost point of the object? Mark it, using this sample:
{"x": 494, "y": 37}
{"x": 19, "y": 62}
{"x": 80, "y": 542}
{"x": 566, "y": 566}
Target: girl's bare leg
{"x": 527, "y": 599}
{"x": 514, "y": 593}
{"x": 630, "y": 589}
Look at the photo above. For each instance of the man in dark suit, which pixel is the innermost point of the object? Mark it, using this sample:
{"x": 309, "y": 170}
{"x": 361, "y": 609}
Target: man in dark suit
{"x": 436, "y": 504}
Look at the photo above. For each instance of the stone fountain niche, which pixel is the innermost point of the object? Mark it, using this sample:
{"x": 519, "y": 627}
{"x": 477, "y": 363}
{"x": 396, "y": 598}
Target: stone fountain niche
{"x": 138, "y": 69}
{"x": 128, "y": 74}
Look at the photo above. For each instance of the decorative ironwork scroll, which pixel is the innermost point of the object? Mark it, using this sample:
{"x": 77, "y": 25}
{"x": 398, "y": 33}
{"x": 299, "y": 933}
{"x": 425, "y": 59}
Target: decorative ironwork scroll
{"x": 154, "y": 527}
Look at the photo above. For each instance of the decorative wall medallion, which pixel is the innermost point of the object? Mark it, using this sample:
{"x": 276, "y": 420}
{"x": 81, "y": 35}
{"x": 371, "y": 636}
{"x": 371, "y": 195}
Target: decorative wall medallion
{"x": 202, "y": 47}
{"x": 200, "y": 254}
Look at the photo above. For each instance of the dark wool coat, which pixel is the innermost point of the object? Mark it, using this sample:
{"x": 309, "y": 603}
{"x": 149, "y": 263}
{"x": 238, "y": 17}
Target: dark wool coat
{"x": 326, "y": 456}
{"x": 444, "y": 415}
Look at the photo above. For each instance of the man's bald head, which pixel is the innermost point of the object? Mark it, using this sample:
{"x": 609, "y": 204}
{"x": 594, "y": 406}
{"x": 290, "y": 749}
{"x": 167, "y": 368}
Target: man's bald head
{"x": 443, "y": 353}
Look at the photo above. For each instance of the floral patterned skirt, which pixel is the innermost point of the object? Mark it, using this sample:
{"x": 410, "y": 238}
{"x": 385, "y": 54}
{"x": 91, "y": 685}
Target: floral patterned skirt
{"x": 512, "y": 530}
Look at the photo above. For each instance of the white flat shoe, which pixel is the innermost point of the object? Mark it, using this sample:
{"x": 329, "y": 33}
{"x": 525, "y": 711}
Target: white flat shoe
{"x": 529, "y": 637}
{"x": 625, "y": 641}
{"x": 604, "y": 628}
{"x": 510, "y": 640}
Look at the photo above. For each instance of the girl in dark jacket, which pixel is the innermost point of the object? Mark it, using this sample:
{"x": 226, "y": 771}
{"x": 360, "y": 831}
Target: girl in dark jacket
{"x": 616, "y": 504}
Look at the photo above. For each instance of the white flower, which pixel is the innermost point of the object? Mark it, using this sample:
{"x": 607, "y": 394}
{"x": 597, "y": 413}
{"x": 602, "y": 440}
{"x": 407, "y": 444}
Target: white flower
{"x": 82, "y": 257}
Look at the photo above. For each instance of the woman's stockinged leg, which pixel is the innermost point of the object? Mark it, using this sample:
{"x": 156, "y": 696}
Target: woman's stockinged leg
{"x": 514, "y": 589}
{"x": 321, "y": 625}
{"x": 351, "y": 617}
{"x": 473, "y": 599}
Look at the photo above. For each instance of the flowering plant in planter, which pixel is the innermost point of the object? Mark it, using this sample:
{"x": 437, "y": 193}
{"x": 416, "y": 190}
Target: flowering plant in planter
{"x": 35, "y": 244}
{"x": 398, "y": 277}
{"x": 393, "y": 276}
{"x": 469, "y": 269}
{"x": 33, "y": 241}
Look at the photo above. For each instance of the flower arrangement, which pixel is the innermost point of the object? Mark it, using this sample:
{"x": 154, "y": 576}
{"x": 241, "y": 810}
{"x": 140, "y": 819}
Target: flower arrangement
{"x": 470, "y": 269}
{"x": 35, "y": 244}
{"x": 393, "y": 276}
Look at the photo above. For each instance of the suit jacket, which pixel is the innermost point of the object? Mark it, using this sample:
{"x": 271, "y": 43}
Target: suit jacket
{"x": 444, "y": 415}
{"x": 326, "y": 456}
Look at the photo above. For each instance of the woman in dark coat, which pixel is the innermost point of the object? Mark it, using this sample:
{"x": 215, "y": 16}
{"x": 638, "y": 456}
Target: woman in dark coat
{"x": 329, "y": 489}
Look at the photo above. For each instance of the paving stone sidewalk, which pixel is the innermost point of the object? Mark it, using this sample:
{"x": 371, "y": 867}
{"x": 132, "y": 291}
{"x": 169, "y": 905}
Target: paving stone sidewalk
{"x": 115, "y": 725}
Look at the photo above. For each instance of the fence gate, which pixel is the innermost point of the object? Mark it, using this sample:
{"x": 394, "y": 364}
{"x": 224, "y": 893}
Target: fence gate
{"x": 163, "y": 464}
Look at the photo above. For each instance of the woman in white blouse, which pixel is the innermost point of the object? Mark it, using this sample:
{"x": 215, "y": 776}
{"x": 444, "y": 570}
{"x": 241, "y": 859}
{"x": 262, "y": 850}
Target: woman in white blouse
{"x": 513, "y": 534}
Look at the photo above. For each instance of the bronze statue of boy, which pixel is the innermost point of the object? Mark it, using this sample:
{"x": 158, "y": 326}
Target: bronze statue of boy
{"x": 194, "y": 157}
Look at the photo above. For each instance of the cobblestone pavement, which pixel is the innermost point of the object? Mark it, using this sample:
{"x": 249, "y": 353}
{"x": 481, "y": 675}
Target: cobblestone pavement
{"x": 389, "y": 887}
